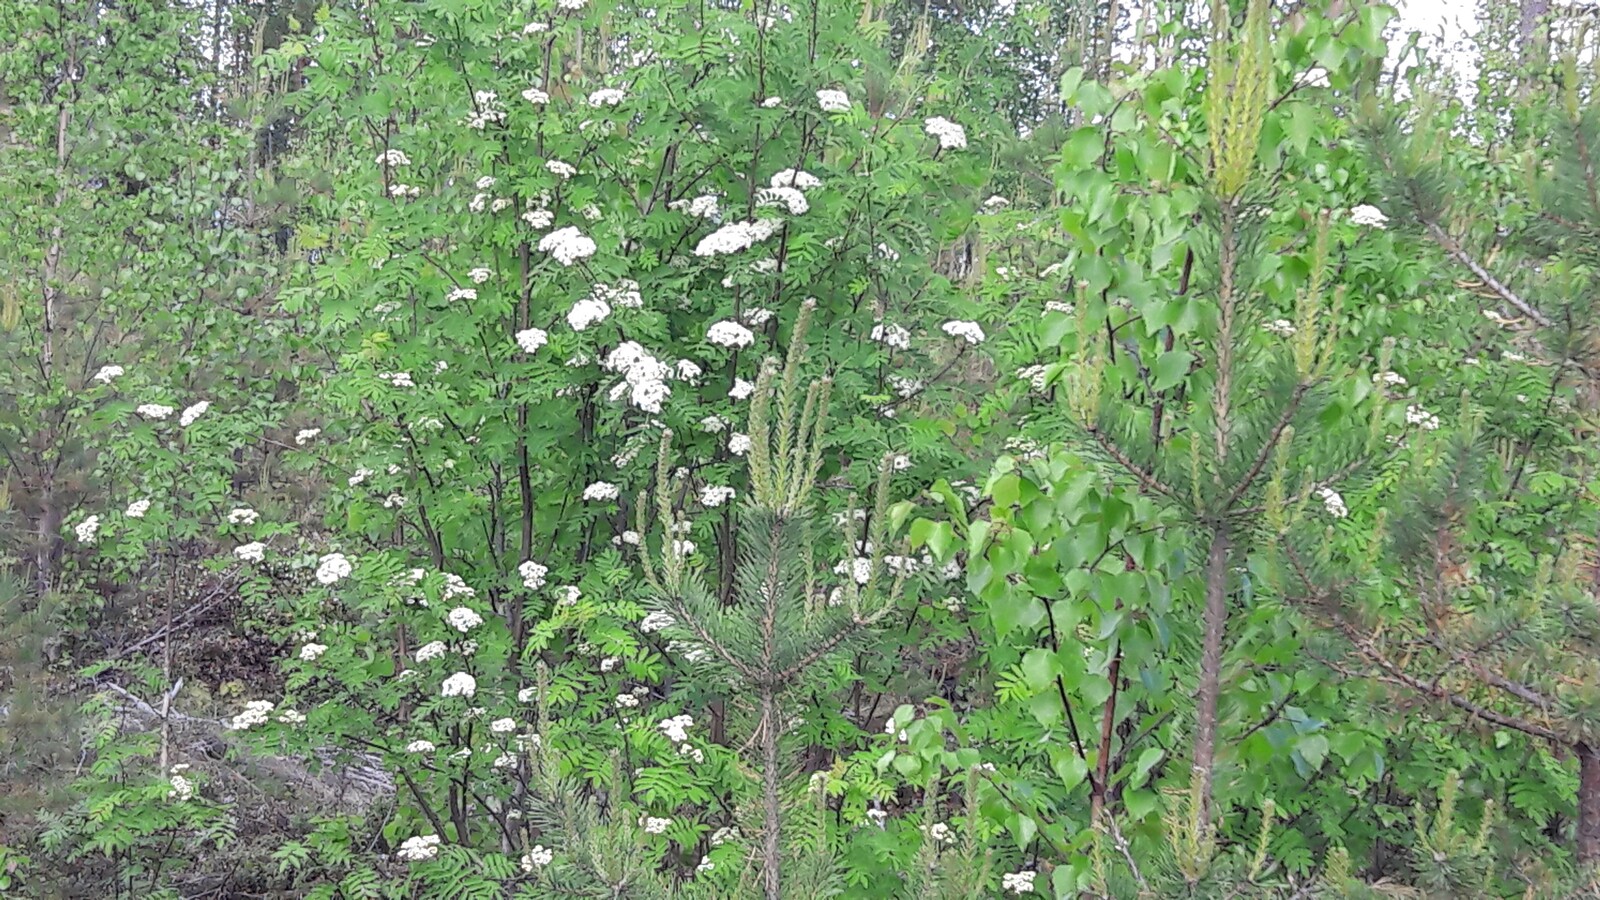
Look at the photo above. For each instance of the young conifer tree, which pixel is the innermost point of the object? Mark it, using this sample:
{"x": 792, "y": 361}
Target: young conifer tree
{"x": 780, "y": 627}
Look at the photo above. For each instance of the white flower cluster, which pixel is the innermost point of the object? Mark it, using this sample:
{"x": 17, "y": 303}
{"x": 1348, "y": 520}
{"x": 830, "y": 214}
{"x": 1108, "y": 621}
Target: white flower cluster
{"x": 1368, "y": 215}
{"x": 567, "y": 245}
{"x": 531, "y": 339}
{"x": 587, "y": 312}
{"x": 194, "y": 412}
{"x": 243, "y": 515}
{"x": 785, "y": 197}
{"x": 560, "y": 169}
{"x": 655, "y": 824}
{"x": 728, "y": 333}
{"x": 535, "y": 96}
{"x": 305, "y": 435}
{"x": 154, "y": 410}
{"x": 255, "y": 551}
{"x": 1279, "y": 327}
{"x": 538, "y": 218}
{"x": 606, "y": 97}
{"x": 1332, "y": 502}
{"x": 420, "y": 746}
{"x": 1392, "y": 379}
{"x": 537, "y": 858}
{"x": 833, "y": 101}
{"x": 87, "y": 530}
{"x": 995, "y": 204}
{"x": 333, "y": 568}
{"x": 107, "y": 373}
{"x": 255, "y": 713}
{"x": 1018, "y": 882}
{"x": 312, "y": 652}
{"x": 736, "y": 237}
{"x": 656, "y": 621}
{"x": 712, "y": 495}
{"x": 940, "y": 833}
{"x": 400, "y": 189}
{"x": 601, "y": 491}
{"x": 463, "y": 619}
{"x": 393, "y": 157}
{"x": 704, "y": 206}
{"x": 486, "y": 109}
{"x": 430, "y": 650}
{"x": 795, "y": 178}
{"x": 644, "y": 378}
{"x": 892, "y": 336}
{"x": 461, "y": 293}
{"x": 738, "y": 444}
{"x": 676, "y": 728}
{"x": 182, "y": 787}
{"x": 741, "y": 389}
{"x": 951, "y": 136}
{"x": 397, "y": 379}
{"x": 967, "y": 331}
{"x": 1416, "y": 415}
{"x": 533, "y": 575}
{"x": 625, "y": 294}
{"x": 459, "y": 685}
{"x": 137, "y": 509}
{"x": 626, "y": 701}
{"x": 420, "y": 848}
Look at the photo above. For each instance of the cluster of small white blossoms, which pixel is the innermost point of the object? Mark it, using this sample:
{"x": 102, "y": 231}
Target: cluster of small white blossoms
{"x": 787, "y": 198}
{"x": 567, "y": 245}
{"x": 535, "y": 96}
{"x": 995, "y": 204}
{"x": 243, "y": 515}
{"x": 333, "y": 568}
{"x": 728, "y": 333}
{"x": 463, "y": 619}
{"x": 312, "y": 652}
{"x": 833, "y": 101}
{"x": 538, "y": 218}
{"x": 87, "y": 530}
{"x": 655, "y": 824}
{"x": 1392, "y": 379}
{"x": 393, "y": 157}
{"x": 137, "y": 509}
{"x": 736, "y": 237}
{"x": 537, "y": 858}
{"x": 461, "y": 293}
{"x": 531, "y": 339}
{"x": 892, "y": 336}
{"x": 397, "y": 379}
{"x": 1018, "y": 882}
{"x": 154, "y": 410}
{"x": 401, "y": 189}
{"x": 713, "y": 495}
{"x": 430, "y": 650}
{"x": 601, "y": 491}
{"x": 255, "y": 713}
{"x": 1279, "y": 327}
{"x": 560, "y": 169}
{"x": 255, "y": 551}
{"x": 644, "y": 378}
{"x": 705, "y": 206}
{"x": 107, "y": 373}
{"x": 625, "y": 294}
{"x": 306, "y": 435}
{"x": 1416, "y": 415}
{"x": 459, "y": 685}
{"x": 676, "y": 728}
{"x": 194, "y": 412}
{"x": 1332, "y": 502}
{"x": 1369, "y": 215}
{"x": 971, "y": 332}
{"x": 487, "y": 109}
{"x": 940, "y": 833}
{"x": 794, "y": 178}
{"x": 182, "y": 787}
{"x": 656, "y": 621}
{"x": 606, "y": 97}
{"x": 419, "y": 848}
{"x": 533, "y": 575}
{"x": 951, "y": 136}
{"x": 738, "y": 444}
{"x": 588, "y": 312}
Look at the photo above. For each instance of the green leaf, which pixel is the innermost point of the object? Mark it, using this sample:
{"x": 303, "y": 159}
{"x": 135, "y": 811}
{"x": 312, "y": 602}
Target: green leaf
{"x": 1171, "y": 368}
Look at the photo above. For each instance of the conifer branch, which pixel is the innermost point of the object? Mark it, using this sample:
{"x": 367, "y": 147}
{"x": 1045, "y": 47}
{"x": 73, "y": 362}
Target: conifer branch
{"x": 1453, "y": 247}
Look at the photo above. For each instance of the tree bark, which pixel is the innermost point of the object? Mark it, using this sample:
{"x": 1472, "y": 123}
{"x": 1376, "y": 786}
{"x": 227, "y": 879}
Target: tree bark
{"x": 771, "y": 845}
{"x": 1210, "y": 687}
{"x": 1588, "y": 803}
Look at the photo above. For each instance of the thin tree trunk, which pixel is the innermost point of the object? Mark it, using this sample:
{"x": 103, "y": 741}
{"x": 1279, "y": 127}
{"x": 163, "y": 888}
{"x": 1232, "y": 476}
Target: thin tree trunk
{"x": 1588, "y": 803}
{"x": 1215, "y": 625}
{"x": 771, "y": 845}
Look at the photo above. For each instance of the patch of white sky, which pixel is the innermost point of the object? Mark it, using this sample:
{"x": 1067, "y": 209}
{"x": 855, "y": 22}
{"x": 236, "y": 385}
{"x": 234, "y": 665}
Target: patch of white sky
{"x": 1445, "y": 25}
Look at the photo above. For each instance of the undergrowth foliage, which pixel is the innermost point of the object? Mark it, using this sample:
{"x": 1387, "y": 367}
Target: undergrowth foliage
{"x": 492, "y": 448}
